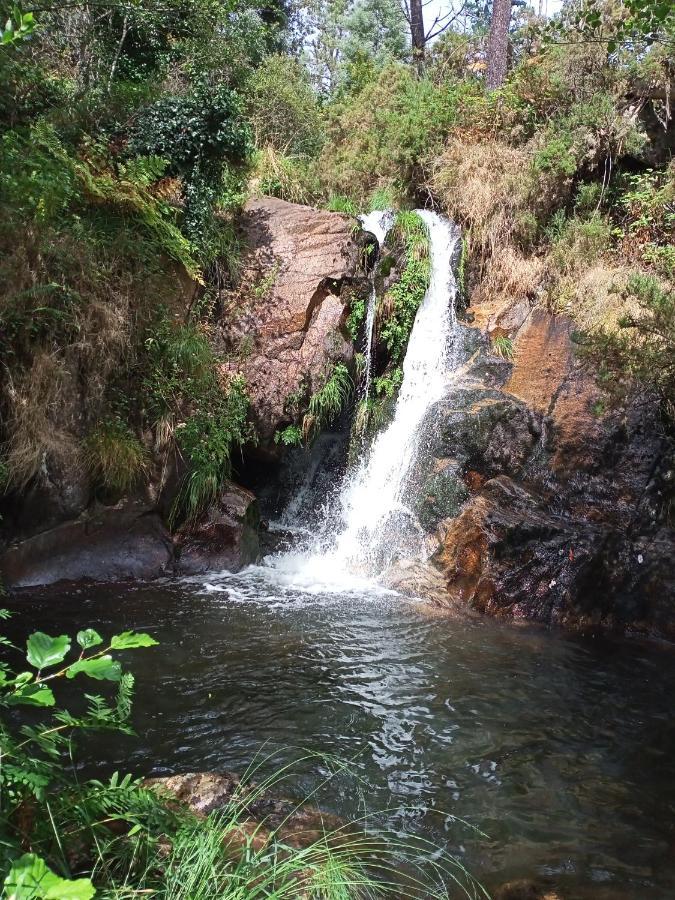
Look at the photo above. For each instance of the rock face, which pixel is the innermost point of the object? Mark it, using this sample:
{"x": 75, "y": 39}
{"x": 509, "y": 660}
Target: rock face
{"x": 302, "y": 268}
{"x": 130, "y": 541}
{"x": 224, "y": 538}
{"x": 540, "y": 504}
{"x": 105, "y": 544}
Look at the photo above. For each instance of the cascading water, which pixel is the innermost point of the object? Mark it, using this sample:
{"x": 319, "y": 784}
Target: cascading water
{"x": 377, "y": 223}
{"x": 373, "y": 522}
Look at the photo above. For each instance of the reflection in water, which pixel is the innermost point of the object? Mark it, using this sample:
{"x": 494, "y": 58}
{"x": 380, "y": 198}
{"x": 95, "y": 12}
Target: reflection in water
{"x": 560, "y": 750}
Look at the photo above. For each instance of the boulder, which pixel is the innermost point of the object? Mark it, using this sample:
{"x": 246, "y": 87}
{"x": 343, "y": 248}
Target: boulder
{"x": 126, "y": 541}
{"x": 224, "y": 538}
{"x": 286, "y": 327}
{"x": 260, "y": 815}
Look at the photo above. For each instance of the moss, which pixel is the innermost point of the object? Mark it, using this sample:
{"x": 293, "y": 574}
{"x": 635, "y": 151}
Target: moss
{"x": 441, "y": 498}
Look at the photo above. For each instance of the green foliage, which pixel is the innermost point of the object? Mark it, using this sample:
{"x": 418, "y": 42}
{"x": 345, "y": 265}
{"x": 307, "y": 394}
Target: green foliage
{"x": 407, "y": 294}
{"x": 284, "y": 109}
{"x": 291, "y": 436}
{"x": 18, "y": 26}
{"x": 383, "y": 134}
{"x": 206, "y": 417}
{"x": 114, "y": 455}
{"x": 206, "y": 439}
{"x": 382, "y": 198}
{"x": 326, "y": 404}
{"x": 356, "y": 317}
{"x": 198, "y": 134}
{"x": 503, "y": 346}
{"x": 338, "y": 203}
{"x": 29, "y": 878}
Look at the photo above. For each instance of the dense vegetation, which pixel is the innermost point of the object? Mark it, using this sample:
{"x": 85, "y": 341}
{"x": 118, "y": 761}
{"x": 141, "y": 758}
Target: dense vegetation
{"x": 130, "y": 135}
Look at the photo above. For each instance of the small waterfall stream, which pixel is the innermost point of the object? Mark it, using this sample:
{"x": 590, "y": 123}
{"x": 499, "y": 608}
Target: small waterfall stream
{"x": 377, "y": 223}
{"x": 372, "y": 522}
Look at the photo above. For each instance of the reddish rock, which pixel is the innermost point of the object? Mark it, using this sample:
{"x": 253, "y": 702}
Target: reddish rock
{"x": 301, "y": 267}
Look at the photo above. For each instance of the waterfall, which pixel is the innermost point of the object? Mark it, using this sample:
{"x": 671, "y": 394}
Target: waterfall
{"x": 373, "y": 521}
{"x": 377, "y": 223}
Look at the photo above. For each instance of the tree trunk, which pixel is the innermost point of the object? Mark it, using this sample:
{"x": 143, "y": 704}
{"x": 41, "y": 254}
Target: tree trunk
{"x": 498, "y": 43}
{"x": 417, "y": 36}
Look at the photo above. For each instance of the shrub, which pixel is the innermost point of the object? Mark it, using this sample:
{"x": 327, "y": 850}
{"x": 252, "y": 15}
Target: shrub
{"x": 642, "y": 348}
{"x": 385, "y": 134}
{"x": 326, "y": 404}
{"x": 290, "y": 178}
{"x": 283, "y": 108}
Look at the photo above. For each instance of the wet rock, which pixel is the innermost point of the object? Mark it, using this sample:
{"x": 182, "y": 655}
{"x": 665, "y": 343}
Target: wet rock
{"x": 226, "y": 537}
{"x": 127, "y": 541}
{"x": 304, "y": 265}
{"x": 261, "y": 816}
{"x": 564, "y": 520}
{"x": 524, "y": 889}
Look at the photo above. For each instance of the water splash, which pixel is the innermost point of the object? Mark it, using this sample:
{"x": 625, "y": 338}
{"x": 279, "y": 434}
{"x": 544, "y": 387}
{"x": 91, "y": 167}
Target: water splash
{"x": 373, "y": 521}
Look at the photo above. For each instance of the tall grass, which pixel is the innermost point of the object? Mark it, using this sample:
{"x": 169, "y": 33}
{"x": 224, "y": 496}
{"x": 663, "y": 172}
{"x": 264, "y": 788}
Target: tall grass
{"x": 114, "y": 455}
{"x": 231, "y": 856}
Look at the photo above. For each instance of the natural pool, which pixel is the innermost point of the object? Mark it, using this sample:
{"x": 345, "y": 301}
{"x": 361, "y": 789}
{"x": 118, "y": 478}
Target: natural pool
{"x": 562, "y": 750}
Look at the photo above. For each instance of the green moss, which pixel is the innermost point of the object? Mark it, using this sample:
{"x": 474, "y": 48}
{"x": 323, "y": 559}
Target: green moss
{"x": 441, "y": 498}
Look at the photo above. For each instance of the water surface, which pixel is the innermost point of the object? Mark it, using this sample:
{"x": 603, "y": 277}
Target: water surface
{"x": 561, "y": 750}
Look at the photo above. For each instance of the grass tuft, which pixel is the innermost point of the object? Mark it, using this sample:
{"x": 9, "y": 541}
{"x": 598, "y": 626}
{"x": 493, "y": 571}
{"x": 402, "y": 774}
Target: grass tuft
{"x": 114, "y": 456}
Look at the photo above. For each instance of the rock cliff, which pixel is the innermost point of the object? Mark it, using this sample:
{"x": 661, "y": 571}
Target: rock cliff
{"x": 541, "y": 503}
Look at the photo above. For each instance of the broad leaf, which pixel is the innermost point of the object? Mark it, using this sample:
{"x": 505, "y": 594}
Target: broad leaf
{"x": 103, "y": 668}
{"x": 128, "y": 640}
{"x": 89, "y": 638}
{"x": 30, "y": 879}
{"x": 44, "y": 651}
{"x": 31, "y": 695}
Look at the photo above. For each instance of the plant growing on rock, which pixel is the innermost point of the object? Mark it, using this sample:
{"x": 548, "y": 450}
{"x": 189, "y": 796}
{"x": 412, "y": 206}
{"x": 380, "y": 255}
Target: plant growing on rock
{"x": 397, "y": 310}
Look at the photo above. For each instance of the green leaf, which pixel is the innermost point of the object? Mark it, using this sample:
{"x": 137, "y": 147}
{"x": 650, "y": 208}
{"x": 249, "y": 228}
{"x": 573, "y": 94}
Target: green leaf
{"x": 30, "y": 879}
{"x": 89, "y": 638}
{"x": 44, "y": 651}
{"x": 101, "y": 667}
{"x": 31, "y": 695}
{"x": 128, "y": 640}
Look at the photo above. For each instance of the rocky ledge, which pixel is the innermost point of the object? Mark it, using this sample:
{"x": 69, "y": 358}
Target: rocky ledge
{"x": 539, "y": 502}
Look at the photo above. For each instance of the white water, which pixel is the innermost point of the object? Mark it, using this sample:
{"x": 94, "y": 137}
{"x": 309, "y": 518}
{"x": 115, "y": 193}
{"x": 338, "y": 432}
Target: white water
{"x": 375, "y": 524}
{"x": 377, "y": 223}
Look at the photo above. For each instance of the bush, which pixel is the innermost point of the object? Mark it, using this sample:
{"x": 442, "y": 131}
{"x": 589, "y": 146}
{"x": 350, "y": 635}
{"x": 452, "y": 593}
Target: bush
{"x": 385, "y": 134}
{"x": 283, "y": 108}
{"x": 642, "y": 348}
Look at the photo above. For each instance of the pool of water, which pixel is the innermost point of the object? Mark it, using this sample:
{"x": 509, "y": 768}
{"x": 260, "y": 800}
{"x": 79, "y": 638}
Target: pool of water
{"x": 561, "y": 750}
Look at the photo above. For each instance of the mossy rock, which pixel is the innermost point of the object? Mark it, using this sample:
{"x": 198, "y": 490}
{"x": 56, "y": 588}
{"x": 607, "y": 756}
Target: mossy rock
{"x": 442, "y": 497}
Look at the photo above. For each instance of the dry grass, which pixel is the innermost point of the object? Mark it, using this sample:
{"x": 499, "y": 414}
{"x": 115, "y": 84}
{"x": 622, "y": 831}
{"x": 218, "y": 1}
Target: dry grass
{"x": 37, "y": 421}
{"x": 510, "y": 275}
{"x": 483, "y": 186}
